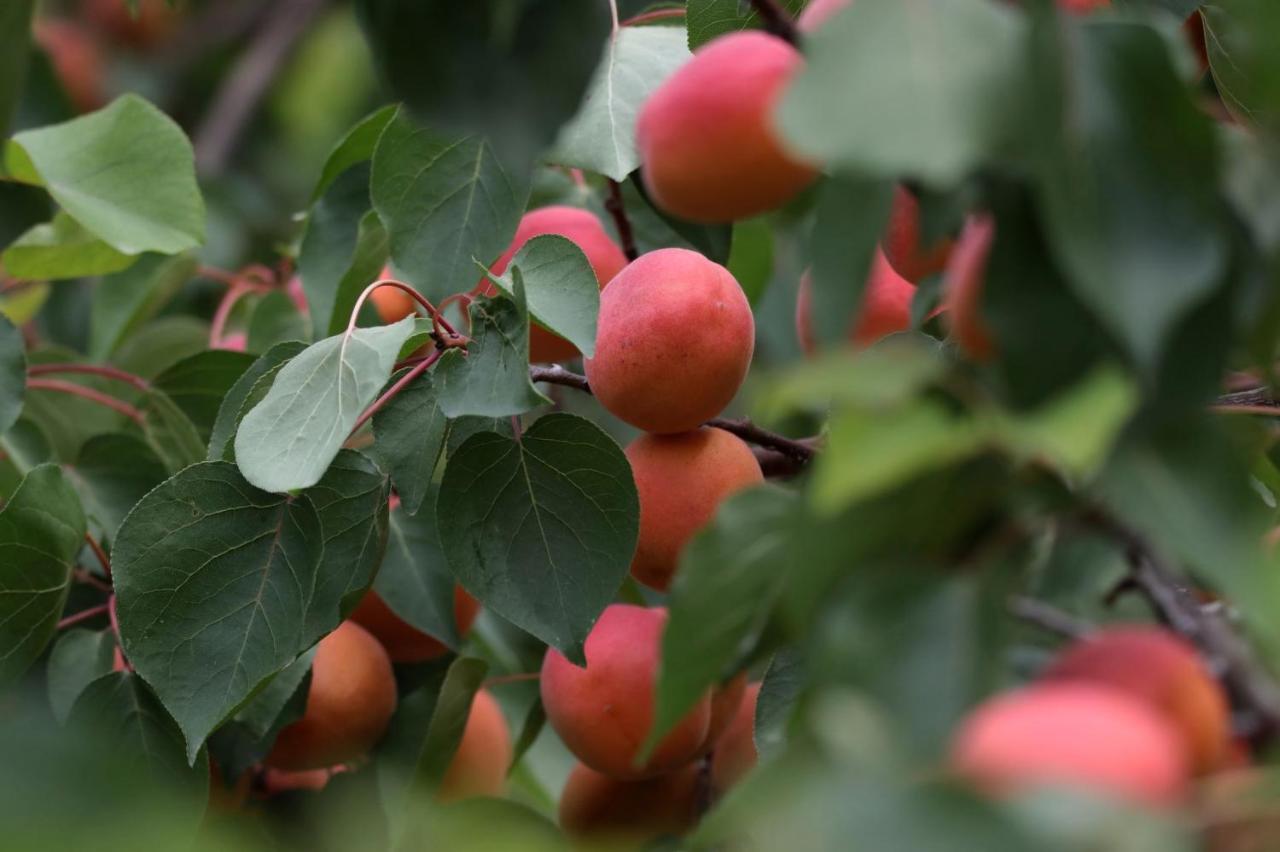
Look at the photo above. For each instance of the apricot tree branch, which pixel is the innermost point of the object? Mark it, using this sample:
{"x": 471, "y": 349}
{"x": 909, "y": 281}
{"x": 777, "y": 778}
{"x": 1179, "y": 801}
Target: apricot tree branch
{"x": 618, "y": 211}
{"x": 777, "y": 21}
{"x": 1048, "y": 618}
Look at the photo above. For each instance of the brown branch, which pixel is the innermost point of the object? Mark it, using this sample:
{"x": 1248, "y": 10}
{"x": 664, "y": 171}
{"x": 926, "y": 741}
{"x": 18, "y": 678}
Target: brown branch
{"x": 1048, "y": 618}
{"x": 776, "y": 21}
{"x": 618, "y": 210}
{"x": 1258, "y": 397}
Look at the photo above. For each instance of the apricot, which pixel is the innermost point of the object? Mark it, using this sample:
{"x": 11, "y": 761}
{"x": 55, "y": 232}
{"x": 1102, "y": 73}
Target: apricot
{"x": 392, "y": 303}
{"x": 901, "y": 242}
{"x": 725, "y": 701}
{"x": 681, "y": 480}
{"x": 735, "y": 753}
{"x": 479, "y": 766}
{"x": 76, "y": 59}
{"x": 885, "y": 308}
{"x": 585, "y": 231}
{"x": 277, "y": 781}
{"x": 154, "y": 21}
{"x": 673, "y": 343}
{"x": 1072, "y": 733}
{"x": 403, "y": 642}
{"x": 818, "y": 12}
{"x": 350, "y": 702}
{"x": 966, "y": 276}
{"x": 597, "y": 807}
{"x": 1160, "y": 668}
{"x": 604, "y": 712}
{"x": 706, "y": 135}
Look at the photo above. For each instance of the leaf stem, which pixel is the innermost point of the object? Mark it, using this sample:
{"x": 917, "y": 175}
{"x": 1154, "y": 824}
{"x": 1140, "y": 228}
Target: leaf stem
{"x": 618, "y": 210}
{"x": 449, "y": 337}
{"x": 115, "y": 628}
{"x": 1048, "y": 618}
{"x": 101, "y": 370}
{"x": 391, "y": 392}
{"x": 83, "y": 615}
{"x": 776, "y": 21}
{"x": 90, "y": 394}
{"x": 654, "y": 15}
{"x": 99, "y": 553}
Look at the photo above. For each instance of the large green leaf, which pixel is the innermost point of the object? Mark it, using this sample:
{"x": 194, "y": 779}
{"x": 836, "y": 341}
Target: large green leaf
{"x": 199, "y": 384}
{"x": 232, "y": 408}
{"x": 175, "y": 439}
{"x": 62, "y": 249}
{"x": 541, "y": 529}
{"x": 78, "y": 658}
{"x": 560, "y": 286}
{"x": 492, "y": 378}
{"x": 41, "y": 532}
{"x": 126, "y": 173}
{"x": 446, "y": 203}
{"x": 601, "y": 137}
{"x": 115, "y": 471}
{"x": 409, "y": 439}
{"x": 289, "y": 438}
{"x": 414, "y": 580}
{"x": 124, "y": 301}
{"x": 354, "y": 148}
{"x": 708, "y": 19}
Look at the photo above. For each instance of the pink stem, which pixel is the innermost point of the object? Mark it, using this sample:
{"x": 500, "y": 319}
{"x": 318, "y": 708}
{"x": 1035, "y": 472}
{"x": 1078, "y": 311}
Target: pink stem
{"x": 115, "y": 628}
{"x": 655, "y": 15}
{"x": 431, "y": 310}
{"x": 220, "y": 316}
{"x": 90, "y": 394}
{"x": 83, "y": 615}
{"x": 99, "y": 553}
{"x": 102, "y": 370}
{"x": 396, "y": 388}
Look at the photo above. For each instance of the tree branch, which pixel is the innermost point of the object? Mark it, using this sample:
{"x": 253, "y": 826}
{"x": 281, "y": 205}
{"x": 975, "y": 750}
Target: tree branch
{"x": 1048, "y": 618}
{"x": 777, "y": 21}
{"x": 618, "y": 210}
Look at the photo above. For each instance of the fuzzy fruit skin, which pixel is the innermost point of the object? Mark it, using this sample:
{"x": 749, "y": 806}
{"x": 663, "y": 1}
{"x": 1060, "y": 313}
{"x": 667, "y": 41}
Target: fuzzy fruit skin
{"x": 673, "y": 343}
{"x": 479, "y": 766}
{"x": 596, "y": 807}
{"x": 818, "y": 12}
{"x": 901, "y": 242}
{"x": 585, "y": 231}
{"x": 706, "y": 135}
{"x": 604, "y": 712}
{"x": 965, "y": 279}
{"x": 352, "y": 697}
{"x": 1072, "y": 733}
{"x": 1162, "y": 669}
{"x": 681, "y": 480}
{"x": 885, "y": 310}
{"x": 725, "y": 701}
{"x": 403, "y": 642}
{"x": 392, "y": 303}
{"x": 735, "y": 753}
{"x": 76, "y": 59}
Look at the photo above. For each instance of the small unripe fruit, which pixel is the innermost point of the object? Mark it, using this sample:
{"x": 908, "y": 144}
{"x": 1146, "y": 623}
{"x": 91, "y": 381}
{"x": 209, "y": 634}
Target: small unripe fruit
{"x": 350, "y": 702}
{"x": 596, "y": 807}
{"x": 604, "y": 712}
{"x": 681, "y": 480}
{"x": 966, "y": 277}
{"x": 1072, "y": 733}
{"x": 403, "y": 642}
{"x": 585, "y": 231}
{"x": 479, "y": 766}
{"x": 706, "y": 135}
{"x": 674, "y": 341}
{"x": 735, "y": 752}
{"x": 1160, "y": 668}
{"x": 885, "y": 309}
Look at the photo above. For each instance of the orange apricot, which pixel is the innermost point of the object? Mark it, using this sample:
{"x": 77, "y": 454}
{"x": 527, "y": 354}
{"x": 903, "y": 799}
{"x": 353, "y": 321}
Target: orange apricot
{"x": 735, "y": 753}
{"x": 901, "y": 241}
{"x": 885, "y": 309}
{"x": 1072, "y": 733}
{"x": 76, "y": 59}
{"x": 681, "y": 480}
{"x": 966, "y": 276}
{"x": 392, "y": 303}
{"x": 706, "y": 135}
{"x": 403, "y": 642}
{"x": 479, "y": 766}
{"x": 1162, "y": 669}
{"x": 597, "y": 807}
{"x": 350, "y": 702}
{"x": 604, "y": 712}
{"x": 725, "y": 701}
{"x": 673, "y": 343}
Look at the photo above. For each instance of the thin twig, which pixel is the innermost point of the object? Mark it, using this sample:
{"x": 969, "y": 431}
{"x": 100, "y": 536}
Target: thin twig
{"x": 618, "y": 210}
{"x": 99, "y": 553}
{"x": 391, "y": 392}
{"x": 655, "y": 15}
{"x": 1049, "y": 618}
{"x": 115, "y": 628}
{"x": 101, "y": 370}
{"x": 1259, "y": 397}
{"x": 777, "y": 21}
{"x": 90, "y": 394}
{"x": 82, "y": 616}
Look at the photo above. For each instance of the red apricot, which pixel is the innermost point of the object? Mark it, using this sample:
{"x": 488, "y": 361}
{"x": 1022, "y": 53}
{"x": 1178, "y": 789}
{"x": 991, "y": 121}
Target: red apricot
{"x": 681, "y": 480}
{"x": 76, "y": 59}
{"x": 965, "y": 279}
{"x": 725, "y": 701}
{"x": 818, "y": 12}
{"x": 585, "y": 231}
{"x": 350, "y": 702}
{"x": 901, "y": 241}
{"x": 735, "y": 753}
{"x": 885, "y": 309}
{"x": 403, "y": 642}
{"x": 673, "y": 343}
{"x": 479, "y": 766}
{"x": 598, "y": 807}
{"x": 706, "y": 135}
{"x": 1072, "y": 733}
{"x": 1162, "y": 669}
{"x": 604, "y": 712}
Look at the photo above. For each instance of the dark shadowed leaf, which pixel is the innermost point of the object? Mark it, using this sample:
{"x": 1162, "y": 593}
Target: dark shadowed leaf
{"x": 276, "y": 319}
{"x": 15, "y": 46}
{"x": 13, "y": 373}
{"x": 199, "y": 384}
{"x": 410, "y": 434}
{"x": 783, "y": 681}
{"x": 232, "y": 407}
{"x": 492, "y": 379}
{"x": 169, "y": 432}
{"x": 78, "y": 658}
{"x": 124, "y": 301}
{"x": 850, "y": 218}
{"x": 114, "y": 471}
{"x": 414, "y": 580}
{"x": 708, "y": 19}
{"x": 356, "y": 147}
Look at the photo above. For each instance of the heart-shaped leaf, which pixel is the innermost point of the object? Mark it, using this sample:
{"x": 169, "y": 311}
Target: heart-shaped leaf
{"x": 560, "y": 288}
{"x": 414, "y": 580}
{"x": 492, "y": 379}
{"x": 233, "y": 408}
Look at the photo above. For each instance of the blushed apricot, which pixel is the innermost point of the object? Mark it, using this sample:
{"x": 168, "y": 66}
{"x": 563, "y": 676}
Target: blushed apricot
{"x": 902, "y": 241}
{"x": 403, "y": 642}
{"x": 706, "y": 135}
{"x": 352, "y": 697}
{"x": 1162, "y": 669}
{"x": 604, "y": 712}
{"x": 965, "y": 279}
{"x": 885, "y": 309}
{"x": 674, "y": 341}
{"x": 392, "y": 303}
{"x": 735, "y": 753}
{"x": 1072, "y": 733}
{"x": 681, "y": 480}
{"x": 479, "y": 766}
{"x": 725, "y": 701}
{"x": 597, "y": 807}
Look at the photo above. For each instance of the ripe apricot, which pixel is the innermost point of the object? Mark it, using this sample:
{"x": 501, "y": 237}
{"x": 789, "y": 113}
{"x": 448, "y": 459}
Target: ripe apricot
{"x": 392, "y": 303}
{"x": 1072, "y": 733}
{"x": 403, "y": 642}
{"x": 965, "y": 279}
{"x": 902, "y": 237}
{"x": 735, "y": 753}
{"x": 76, "y": 59}
{"x": 597, "y": 807}
{"x": 604, "y": 712}
{"x": 585, "y": 231}
{"x": 885, "y": 309}
{"x": 1160, "y": 668}
{"x": 818, "y": 12}
{"x": 350, "y": 702}
{"x": 673, "y": 343}
{"x": 479, "y": 766}
{"x": 681, "y": 480}
{"x": 725, "y": 701}
{"x": 706, "y": 135}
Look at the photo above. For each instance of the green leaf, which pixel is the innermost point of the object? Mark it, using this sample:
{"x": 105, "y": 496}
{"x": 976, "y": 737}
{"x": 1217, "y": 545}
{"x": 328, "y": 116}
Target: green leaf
{"x": 169, "y": 431}
{"x": 147, "y": 200}
{"x": 751, "y": 257}
{"x": 492, "y": 379}
{"x": 24, "y": 447}
{"x": 534, "y": 721}
{"x": 232, "y": 409}
{"x": 13, "y": 373}
{"x": 948, "y": 107}
{"x": 409, "y": 439}
{"x": 708, "y": 19}
{"x": 654, "y": 228}
{"x": 161, "y": 343}
{"x": 601, "y": 137}
{"x": 114, "y": 472}
{"x": 22, "y": 207}
{"x": 414, "y": 580}
{"x": 248, "y": 736}
{"x": 783, "y": 681}
{"x": 215, "y": 585}
{"x": 541, "y": 529}
{"x": 25, "y": 303}
{"x": 124, "y": 301}
{"x": 446, "y": 202}
{"x": 289, "y": 438}
{"x": 199, "y": 384}
{"x": 560, "y": 286}
{"x": 849, "y": 219}
{"x": 62, "y": 249}
{"x": 1239, "y": 37}
{"x": 41, "y": 532}
{"x": 78, "y": 658}
{"x": 724, "y": 592}
{"x": 15, "y": 46}
{"x": 276, "y": 319}
{"x": 355, "y": 148}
